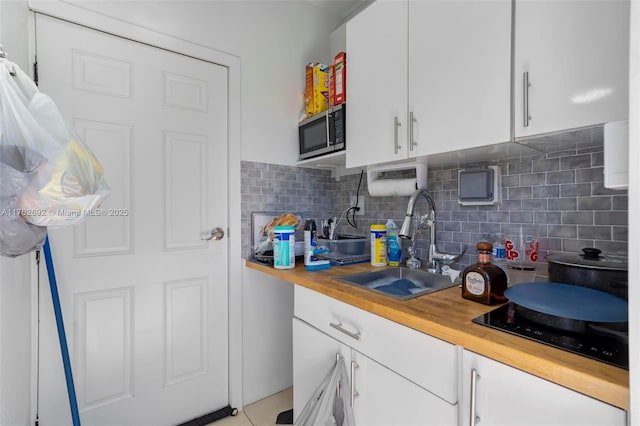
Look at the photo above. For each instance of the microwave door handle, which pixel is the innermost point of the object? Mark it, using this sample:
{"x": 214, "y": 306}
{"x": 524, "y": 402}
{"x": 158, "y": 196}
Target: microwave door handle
{"x": 329, "y": 141}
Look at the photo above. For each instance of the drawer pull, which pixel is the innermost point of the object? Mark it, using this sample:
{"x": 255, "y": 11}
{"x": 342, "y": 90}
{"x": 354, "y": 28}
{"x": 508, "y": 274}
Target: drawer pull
{"x": 354, "y": 394}
{"x": 473, "y": 418}
{"x": 339, "y": 327}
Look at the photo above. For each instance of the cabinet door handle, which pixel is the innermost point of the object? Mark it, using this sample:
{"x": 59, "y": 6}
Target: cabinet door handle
{"x": 396, "y": 124}
{"x": 473, "y": 418}
{"x": 339, "y": 327}
{"x": 525, "y": 98}
{"x": 354, "y": 394}
{"x": 412, "y": 142}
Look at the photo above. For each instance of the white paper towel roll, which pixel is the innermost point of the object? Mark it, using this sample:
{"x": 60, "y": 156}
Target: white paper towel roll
{"x": 390, "y": 187}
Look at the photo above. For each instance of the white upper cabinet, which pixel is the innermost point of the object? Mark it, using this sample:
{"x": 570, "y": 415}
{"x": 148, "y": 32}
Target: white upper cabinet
{"x": 576, "y": 56}
{"x": 427, "y": 77}
{"x": 377, "y": 84}
{"x": 459, "y": 68}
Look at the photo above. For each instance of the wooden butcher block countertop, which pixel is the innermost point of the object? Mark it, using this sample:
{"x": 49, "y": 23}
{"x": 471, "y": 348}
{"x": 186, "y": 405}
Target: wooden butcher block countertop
{"x": 447, "y": 316}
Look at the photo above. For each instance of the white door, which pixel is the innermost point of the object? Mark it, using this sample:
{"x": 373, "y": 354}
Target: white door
{"x": 143, "y": 295}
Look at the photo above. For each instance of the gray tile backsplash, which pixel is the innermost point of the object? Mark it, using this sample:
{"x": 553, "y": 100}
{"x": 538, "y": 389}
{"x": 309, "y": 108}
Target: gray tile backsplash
{"x": 558, "y": 197}
{"x": 276, "y": 188}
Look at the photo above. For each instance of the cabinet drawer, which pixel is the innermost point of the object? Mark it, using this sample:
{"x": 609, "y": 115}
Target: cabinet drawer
{"x": 428, "y": 362}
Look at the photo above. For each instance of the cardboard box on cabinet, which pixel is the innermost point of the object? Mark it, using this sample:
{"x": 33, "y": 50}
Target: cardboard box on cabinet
{"x": 317, "y": 88}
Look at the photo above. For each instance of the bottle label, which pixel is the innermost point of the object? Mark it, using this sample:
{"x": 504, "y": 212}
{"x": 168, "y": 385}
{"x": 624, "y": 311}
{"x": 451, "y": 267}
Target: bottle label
{"x": 499, "y": 253}
{"x": 474, "y": 283}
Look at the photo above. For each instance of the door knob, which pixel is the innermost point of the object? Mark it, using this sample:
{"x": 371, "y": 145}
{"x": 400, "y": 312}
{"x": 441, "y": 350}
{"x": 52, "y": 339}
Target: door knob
{"x": 215, "y": 234}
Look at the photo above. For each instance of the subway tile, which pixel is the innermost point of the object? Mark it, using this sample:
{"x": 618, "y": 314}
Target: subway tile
{"x": 489, "y": 228}
{"x": 548, "y": 205}
{"x": 533, "y": 179}
{"x": 471, "y": 227}
{"x": 460, "y": 216}
{"x": 563, "y": 231}
{"x": 565, "y": 176}
{"x": 575, "y": 162}
{"x": 450, "y": 185}
{"x": 498, "y": 216}
{"x": 594, "y": 203}
{"x": 520, "y": 193}
{"x": 610, "y": 218}
{"x": 509, "y": 181}
{"x": 620, "y": 202}
{"x": 619, "y": 248}
{"x": 536, "y": 230}
{"x": 546, "y": 165}
{"x": 547, "y": 217}
{"x": 521, "y": 217}
{"x": 545, "y": 191}
{"x": 577, "y": 218}
{"x": 511, "y": 205}
{"x": 452, "y": 226}
{"x": 477, "y": 216}
{"x": 620, "y": 233}
{"x": 520, "y": 168}
{"x": 563, "y": 204}
{"x": 594, "y": 174}
{"x": 534, "y": 205}
{"x": 597, "y": 159}
{"x": 575, "y": 190}
{"x": 550, "y": 244}
{"x": 594, "y": 232}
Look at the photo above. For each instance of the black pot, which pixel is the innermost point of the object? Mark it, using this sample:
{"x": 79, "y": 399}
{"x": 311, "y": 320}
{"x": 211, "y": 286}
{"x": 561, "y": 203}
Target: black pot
{"x": 590, "y": 269}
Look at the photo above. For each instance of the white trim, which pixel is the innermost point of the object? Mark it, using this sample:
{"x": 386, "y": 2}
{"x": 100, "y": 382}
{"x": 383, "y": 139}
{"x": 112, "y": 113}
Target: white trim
{"x": 78, "y": 15}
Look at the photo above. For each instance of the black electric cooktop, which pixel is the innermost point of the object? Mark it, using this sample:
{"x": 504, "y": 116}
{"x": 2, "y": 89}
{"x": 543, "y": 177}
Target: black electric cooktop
{"x": 611, "y": 348}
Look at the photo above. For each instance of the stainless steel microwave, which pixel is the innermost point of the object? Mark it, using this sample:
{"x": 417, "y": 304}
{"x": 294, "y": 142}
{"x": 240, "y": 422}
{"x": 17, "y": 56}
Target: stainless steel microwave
{"x": 323, "y": 133}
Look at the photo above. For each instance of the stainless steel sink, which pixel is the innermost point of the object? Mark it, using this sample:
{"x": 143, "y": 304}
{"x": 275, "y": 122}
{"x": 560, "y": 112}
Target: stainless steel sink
{"x": 401, "y": 283}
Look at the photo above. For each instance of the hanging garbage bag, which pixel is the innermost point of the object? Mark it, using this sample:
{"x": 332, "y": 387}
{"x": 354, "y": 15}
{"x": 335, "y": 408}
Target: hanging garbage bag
{"x": 70, "y": 182}
{"x": 17, "y": 166}
{"x": 329, "y": 404}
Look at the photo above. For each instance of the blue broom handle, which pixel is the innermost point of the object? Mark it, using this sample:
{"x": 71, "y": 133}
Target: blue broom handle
{"x": 71, "y": 390}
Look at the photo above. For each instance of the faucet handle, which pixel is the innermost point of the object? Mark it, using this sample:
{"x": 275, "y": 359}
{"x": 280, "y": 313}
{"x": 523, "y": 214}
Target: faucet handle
{"x": 447, "y": 258}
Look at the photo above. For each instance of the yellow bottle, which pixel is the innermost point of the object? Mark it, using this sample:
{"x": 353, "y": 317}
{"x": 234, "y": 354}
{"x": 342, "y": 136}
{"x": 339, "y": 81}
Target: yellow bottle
{"x": 379, "y": 245}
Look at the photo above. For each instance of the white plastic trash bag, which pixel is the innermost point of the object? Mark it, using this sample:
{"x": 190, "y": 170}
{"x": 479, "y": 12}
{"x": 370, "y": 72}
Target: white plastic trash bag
{"x": 329, "y": 404}
{"x": 70, "y": 182}
{"x": 17, "y": 166}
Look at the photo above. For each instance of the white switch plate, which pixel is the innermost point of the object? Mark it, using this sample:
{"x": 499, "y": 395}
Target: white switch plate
{"x": 360, "y": 204}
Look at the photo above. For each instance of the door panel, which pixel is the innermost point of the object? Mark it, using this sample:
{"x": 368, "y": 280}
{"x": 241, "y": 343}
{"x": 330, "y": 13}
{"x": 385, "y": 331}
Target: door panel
{"x": 144, "y": 297}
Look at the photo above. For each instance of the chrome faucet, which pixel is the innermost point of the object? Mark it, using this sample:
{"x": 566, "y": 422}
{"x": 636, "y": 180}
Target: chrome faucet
{"x": 436, "y": 259}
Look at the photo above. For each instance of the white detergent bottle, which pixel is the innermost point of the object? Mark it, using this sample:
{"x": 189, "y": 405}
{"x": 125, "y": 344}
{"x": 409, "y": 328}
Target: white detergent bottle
{"x": 394, "y": 254}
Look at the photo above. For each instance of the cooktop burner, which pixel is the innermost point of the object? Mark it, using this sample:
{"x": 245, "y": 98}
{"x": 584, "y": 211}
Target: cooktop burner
{"x": 610, "y": 348}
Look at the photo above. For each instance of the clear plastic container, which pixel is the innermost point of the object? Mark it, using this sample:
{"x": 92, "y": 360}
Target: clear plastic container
{"x": 284, "y": 247}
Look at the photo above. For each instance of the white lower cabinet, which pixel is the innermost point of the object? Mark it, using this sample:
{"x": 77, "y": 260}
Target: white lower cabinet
{"x": 400, "y": 376}
{"x": 496, "y": 394}
{"x": 381, "y": 396}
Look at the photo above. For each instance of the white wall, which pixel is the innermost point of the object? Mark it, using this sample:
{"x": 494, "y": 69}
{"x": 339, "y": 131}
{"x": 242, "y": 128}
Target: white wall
{"x": 15, "y": 277}
{"x": 267, "y": 335}
{"x": 634, "y": 211}
{"x": 274, "y": 40}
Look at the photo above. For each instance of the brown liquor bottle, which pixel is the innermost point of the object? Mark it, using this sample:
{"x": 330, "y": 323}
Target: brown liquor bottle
{"x": 484, "y": 282}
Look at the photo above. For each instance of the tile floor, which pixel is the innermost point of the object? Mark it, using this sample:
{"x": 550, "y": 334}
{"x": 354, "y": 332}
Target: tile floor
{"x": 260, "y": 413}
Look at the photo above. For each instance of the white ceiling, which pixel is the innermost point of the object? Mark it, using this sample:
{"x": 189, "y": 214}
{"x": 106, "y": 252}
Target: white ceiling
{"x": 342, "y": 8}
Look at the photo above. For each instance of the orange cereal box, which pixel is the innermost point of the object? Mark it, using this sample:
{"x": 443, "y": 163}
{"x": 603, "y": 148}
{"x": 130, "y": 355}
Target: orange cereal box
{"x": 340, "y": 77}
